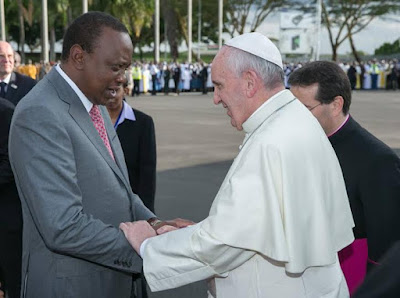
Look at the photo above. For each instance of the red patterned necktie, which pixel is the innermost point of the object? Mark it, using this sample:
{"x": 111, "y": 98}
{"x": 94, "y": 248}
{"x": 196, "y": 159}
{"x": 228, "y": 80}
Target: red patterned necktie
{"x": 98, "y": 122}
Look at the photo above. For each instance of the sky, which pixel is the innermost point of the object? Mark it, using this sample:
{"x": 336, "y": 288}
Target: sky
{"x": 373, "y": 36}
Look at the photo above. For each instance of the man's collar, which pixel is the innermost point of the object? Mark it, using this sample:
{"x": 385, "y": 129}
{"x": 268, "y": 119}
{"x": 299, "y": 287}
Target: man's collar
{"x": 7, "y": 79}
{"x": 85, "y": 101}
{"x": 340, "y": 126}
{"x": 127, "y": 113}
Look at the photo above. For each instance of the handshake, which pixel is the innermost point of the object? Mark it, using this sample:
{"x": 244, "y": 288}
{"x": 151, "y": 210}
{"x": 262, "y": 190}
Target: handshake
{"x": 137, "y": 232}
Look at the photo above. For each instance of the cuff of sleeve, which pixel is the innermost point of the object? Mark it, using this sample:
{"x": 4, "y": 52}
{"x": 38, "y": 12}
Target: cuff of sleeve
{"x": 142, "y": 247}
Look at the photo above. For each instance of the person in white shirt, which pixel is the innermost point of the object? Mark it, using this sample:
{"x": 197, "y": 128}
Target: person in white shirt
{"x": 153, "y": 72}
{"x": 281, "y": 214}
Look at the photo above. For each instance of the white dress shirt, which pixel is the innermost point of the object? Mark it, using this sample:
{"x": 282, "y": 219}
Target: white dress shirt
{"x": 85, "y": 101}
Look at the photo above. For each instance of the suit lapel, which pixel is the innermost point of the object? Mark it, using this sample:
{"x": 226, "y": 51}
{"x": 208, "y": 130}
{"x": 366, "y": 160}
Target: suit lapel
{"x": 115, "y": 145}
{"x": 12, "y": 88}
{"x": 82, "y": 119}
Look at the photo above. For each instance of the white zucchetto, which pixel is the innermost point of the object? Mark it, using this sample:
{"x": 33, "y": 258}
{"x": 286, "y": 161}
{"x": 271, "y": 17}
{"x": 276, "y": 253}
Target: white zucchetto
{"x": 257, "y": 44}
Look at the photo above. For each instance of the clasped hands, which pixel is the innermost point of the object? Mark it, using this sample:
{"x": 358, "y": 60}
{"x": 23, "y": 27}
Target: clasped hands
{"x": 137, "y": 232}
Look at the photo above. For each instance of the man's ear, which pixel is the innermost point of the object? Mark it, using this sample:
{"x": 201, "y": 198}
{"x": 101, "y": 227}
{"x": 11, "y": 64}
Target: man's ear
{"x": 251, "y": 82}
{"x": 77, "y": 56}
{"x": 337, "y": 105}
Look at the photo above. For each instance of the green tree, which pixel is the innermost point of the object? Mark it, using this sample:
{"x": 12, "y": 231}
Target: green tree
{"x": 171, "y": 11}
{"x": 209, "y": 20}
{"x": 135, "y": 14}
{"x": 344, "y": 19}
{"x": 248, "y": 15}
{"x": 389, "y": 48}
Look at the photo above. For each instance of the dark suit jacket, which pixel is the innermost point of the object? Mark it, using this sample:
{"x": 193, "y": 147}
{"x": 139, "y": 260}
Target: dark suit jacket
{"x": 18, "y": 87}
{"x": 384, "y": 280}
{"x": 138, "y": 142}
{"x": 371, "y": 172}
{"x": 10, "y": 206}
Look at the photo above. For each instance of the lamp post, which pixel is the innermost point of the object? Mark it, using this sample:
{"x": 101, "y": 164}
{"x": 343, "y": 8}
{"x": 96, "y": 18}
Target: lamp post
{"x": 220, "y": 9}
{"x": 157, "y": 32}
{"x": 190, "y": 31}
{"x": 318, "y": 29}
{"x": 2, "y": 21}
{"x": 45, "y": 37}
{"x": 199, "y": 32}
{"x": 84, "y": 6}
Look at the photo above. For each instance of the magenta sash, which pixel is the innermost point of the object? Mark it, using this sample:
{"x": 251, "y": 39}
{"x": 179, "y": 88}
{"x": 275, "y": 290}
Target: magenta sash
{"x": 353, "y": 261}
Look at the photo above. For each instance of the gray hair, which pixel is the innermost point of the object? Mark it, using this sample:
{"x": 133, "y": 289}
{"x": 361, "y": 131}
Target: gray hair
{"x": 239, "y": 61}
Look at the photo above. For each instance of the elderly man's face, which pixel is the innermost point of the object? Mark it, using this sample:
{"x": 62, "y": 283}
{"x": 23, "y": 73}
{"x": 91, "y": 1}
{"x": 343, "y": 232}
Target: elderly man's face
{"x": 6, "y": 59}
{"x": 229, "y": 90}
{"x": 104, "y": 68}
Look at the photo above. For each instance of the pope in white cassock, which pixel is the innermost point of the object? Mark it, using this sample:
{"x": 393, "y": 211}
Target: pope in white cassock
{"x": 281, "y": 214}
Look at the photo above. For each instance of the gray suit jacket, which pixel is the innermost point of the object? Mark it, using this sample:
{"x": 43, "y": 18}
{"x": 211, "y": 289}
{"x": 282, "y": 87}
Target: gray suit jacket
{"x": 74, "y": 195}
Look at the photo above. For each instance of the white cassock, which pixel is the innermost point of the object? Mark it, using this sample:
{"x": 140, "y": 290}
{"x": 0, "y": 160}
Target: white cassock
{"x": 209, "y": 80}
{"x": 277, "y": 222}
{"x": 186, "y": 79}
{"x": 367, "y": 77}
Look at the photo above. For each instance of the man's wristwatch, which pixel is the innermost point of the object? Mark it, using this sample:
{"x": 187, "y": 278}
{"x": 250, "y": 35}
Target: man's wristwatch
{"x": 154, "y": 221}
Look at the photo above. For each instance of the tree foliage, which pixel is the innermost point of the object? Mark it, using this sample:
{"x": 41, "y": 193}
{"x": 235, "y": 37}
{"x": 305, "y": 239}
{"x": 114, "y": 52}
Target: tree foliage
{"x": 389, "y": 48}
{"x": 242, "y": 14}
{"x": 345, "y": 18}
{"x": 342, "y": 18}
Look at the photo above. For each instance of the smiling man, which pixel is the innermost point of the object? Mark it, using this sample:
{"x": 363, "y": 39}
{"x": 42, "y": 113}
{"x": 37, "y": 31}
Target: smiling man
{"x": 71, "y": 173}
{"x": 281, "y": 214}
{"x": 13, "y": 86}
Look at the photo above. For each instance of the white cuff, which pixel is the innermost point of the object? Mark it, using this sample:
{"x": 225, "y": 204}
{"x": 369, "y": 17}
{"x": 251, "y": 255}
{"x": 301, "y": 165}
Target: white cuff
{"x": 142, "y": 247}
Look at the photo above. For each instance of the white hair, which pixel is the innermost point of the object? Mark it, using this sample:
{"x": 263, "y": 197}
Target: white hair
{"x": 239, "y": 61}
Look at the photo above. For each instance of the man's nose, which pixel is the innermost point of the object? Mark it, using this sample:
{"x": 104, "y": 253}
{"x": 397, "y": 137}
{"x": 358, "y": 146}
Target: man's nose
{"x": 121, "y": 76}
{"x": 216, "y": 98}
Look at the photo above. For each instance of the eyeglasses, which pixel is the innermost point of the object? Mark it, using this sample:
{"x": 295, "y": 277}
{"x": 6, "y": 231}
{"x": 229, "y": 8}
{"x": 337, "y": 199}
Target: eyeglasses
{"x": 312, "y": 108}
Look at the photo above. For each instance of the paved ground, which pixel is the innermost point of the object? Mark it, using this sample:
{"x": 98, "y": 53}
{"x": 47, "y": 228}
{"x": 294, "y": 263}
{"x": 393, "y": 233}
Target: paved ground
{"x": 196, "y": 145}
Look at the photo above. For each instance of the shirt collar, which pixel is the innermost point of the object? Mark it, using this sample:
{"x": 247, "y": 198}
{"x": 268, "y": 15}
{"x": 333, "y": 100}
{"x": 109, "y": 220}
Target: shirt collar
{"x": 127, "y": 113}
{"x": 85, "y": 101}
{"x": 7, "y": 79}
{"x": 344, "y": 122}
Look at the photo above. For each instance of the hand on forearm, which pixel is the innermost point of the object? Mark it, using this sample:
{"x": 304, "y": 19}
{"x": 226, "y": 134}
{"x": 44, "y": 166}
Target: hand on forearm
{"x": 136, "y": 232}
{"x": 180, "y": 222}
{"x": 162, "y": 227}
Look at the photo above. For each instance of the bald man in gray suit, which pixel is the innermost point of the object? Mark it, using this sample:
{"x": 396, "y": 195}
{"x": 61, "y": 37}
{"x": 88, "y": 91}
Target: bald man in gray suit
{"x": 70, "y": 170}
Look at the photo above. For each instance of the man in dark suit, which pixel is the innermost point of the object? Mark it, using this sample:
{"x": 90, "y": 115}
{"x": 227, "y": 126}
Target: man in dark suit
{"x": 70, "y": 170}
{"x": 13, "y": 85}
{"x": 204, "y": 77}
{"x": 10, "y": 211}
{"x": 370, "y": 168}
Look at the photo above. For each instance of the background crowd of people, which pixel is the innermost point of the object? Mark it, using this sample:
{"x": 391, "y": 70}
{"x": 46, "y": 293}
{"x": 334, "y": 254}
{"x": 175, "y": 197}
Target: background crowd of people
{"x": 367, "y": 75}
{"x": 169, "y": 77}
{"x": 149, "y": 77}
